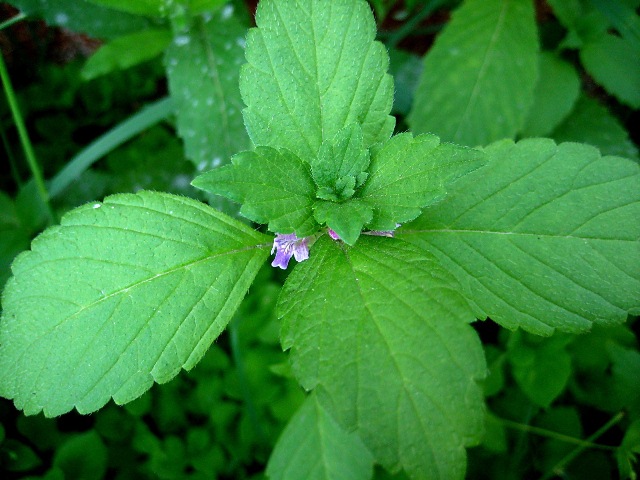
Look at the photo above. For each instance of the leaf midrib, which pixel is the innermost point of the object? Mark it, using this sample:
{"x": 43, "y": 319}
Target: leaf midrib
{"x": 497, "y": 232}
{"x": 488, "y": 54}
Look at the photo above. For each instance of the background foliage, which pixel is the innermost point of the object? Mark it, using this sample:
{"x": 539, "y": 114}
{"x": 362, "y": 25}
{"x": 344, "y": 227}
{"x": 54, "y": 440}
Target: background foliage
{"x": 104, "y": 120}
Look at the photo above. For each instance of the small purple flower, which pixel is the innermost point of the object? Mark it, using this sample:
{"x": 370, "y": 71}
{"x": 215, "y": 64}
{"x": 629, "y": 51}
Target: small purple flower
{"x": 334, "y": 235}
{"x": 287, "y": 246}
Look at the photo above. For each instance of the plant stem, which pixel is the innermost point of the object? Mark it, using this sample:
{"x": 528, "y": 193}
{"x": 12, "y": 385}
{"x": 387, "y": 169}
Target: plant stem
{"x": 24, "y": 139}
{"x": 582, "y": 444}
{"x": 588, "y": 443}
{"x": 11, "y": 21}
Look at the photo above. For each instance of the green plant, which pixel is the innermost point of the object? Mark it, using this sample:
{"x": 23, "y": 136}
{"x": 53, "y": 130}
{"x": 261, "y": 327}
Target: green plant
{"x": 403, "y": 242}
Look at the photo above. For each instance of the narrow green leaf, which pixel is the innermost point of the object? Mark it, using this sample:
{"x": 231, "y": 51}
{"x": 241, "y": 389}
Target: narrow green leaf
{"x": 478, "y": 79}
{"x": 615, "y": 64}
{"x": 381, "y": 334}
{"x": 543, "y": 237}
{"x": 313, "y": 69}
{"x": 125, "y": 52}
{"x": 346, "y": 219}
{"x": 121, "y": 294}
{"x": 203, "y": 67}
{"x": 314, "y": 447}
{"x": 83, "y": 16}
{"x": 555, "y": 95}
{"x": 274, "y": 187}
{"x": 151, "y": 8}
{"x": 407, "y": 173}
{"x": 341, "y": 164}
{"x": 592, "y": 123}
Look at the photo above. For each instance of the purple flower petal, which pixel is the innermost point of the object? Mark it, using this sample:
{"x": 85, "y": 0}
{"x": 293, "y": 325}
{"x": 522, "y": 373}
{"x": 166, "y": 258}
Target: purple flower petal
{"x": 286, "y": 246}
{"x": 334, "y": 235}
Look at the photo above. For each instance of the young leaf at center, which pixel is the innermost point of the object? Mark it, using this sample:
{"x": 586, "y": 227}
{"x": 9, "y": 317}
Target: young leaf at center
{"x": 274, "y": 187}
{"x": 407, "y": 173}
{"x": 341, "y": 165}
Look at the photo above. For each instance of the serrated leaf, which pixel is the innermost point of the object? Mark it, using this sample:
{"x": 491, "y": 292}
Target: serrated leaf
{"x": 555, "y": 95}
{"x": 341, "y": 164}
{"x": 478, "y": 78}
{"x": 592, "y": 123}
{"x": 615, "y": 64}
{"x": 151, "y": 8}
{"x": 203, "y": 67}
{"x": 121, "y": 294}
{"x": 346, "y": 219}
{"x": 314, "y": 447}
{"x": 381, "y": 334}
{"x": 407, "y": 173}
{"x": 82, "y": 16}
{"x": 274, "y": 187}
{"x": 125, "y": 52}
{"x": 543, "y": 237}
{"x": 313, "y": 69}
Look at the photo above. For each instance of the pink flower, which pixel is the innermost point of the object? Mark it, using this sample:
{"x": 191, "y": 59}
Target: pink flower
{"x": 286, "y": 246}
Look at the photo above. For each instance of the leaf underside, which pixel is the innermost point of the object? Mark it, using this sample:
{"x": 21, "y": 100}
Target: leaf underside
{"x": 382, "y": 338}
{"x": 543, "y": 237}
{"x": 85, "y": 319}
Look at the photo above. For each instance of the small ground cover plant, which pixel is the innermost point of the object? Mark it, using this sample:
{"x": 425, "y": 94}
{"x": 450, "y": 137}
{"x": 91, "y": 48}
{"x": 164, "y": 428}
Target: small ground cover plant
{"x": 415, "y": 238}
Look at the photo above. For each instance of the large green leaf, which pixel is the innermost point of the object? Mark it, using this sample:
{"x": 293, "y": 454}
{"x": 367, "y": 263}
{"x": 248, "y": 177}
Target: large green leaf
{"x": 203, "y": 67}
{"x": 82, "y": 16}
{"x": 592, "y": 123}
{"x": 478, "y": 79}
{"x": 380, "y": 331}
{"x": 543, "y": 237}
{"x": 313, "y": 69}
{"x": 314, "y": 447}
{"x": 121, "y": 294}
